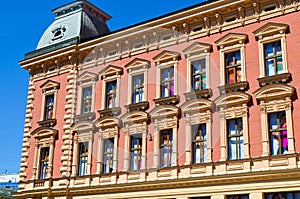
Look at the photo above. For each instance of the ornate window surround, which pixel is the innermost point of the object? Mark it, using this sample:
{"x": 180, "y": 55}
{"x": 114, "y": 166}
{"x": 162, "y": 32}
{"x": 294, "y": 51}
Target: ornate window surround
{"x": 44, "y": 137}
{"x": 48, "y": 88}
{"x": 233, "y": 105}
{"x": 229, "y": 43}
{"x": 268, "y": 33}
{"x": 197, "y": 111}
{"x": 275, "y": 98}
{"x": 195, "y": 52}
{"x": 85, "y": 80}
{"x": 164, "y": 117}
{"x": 137, "y": 67}
{"x": 108, "y": 128}
{"x": 108, "y": 74}
{"x": 135, "y": 122}
{"x": 83, "y": 132}
{"x": 166, "y": 59}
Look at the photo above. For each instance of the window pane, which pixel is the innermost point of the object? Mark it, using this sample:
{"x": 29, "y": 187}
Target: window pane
{"x": 108, "y": 155}
{"x": 87, "y": 99}
{"x": 111, "y": 90}
{"x": 273, "y": 58}
{"x": 44, "y": 162}
{"x": 235, "y": 139}
{"x": 199, "y": 74}
{"x": 199, "y": 143}
{"x": 49, "y": 107}
{"x": 270, "y": 67}
{"x": 167, "y": 82}
{"x": 136, "y": 152}
{"x": 138, "y": 88}
{"x": 229, "y": 59}
{"x": 83, "y": 158}
{"x": 278, "y": 133}
{"x": 278, "y": 48}
{"x": 238, "y": 197}
{"x": 166, "y": 147}
{"x": 279, "y": 65}
{"x": 269, "y": 50}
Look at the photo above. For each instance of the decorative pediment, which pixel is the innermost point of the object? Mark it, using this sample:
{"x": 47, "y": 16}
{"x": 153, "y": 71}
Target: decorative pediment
{"x": 166, "y": 56}
{"x": 107, "y": 122}
{"x": 50, "y": 85}
{"x": 232, "y": 99}
{"x": 82, "y": 126}
{"x": 110, "y": 71}
{"x": 164, "y": 111}
{"x": 197, "y": 48}
{"x": 196, "y": 105}
{"x": 231, "y": 39}
{"x": 135, "y": 117}
{"x": 44, "y": 132}
{"x": 274, "y": 91}
{"x": 137, "y": 63}
{"x": 271, "y": 28}
{"x": 87, "y": 77}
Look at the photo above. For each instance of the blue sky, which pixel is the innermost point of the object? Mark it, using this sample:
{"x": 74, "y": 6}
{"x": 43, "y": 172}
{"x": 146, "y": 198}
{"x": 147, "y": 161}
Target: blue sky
{"x": 22, "y": 24}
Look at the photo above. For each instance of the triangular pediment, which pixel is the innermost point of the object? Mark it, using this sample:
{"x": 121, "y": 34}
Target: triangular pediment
{"x": 274, "y": 91}
{"x": 271, "y": 28}
{"x": 135, "y": 117}
{"x": 111, "y": 70}
{"x": 166, "y": 56}
{"x": 44, "y": 132}
{"x": 137, "y": 63}
{"x": 164, "y": 111}
{"x": 232, "y": 99}
{"x": 231, "y": 39}
{"x": 87, "y": 76}
{"x": 83, "y": 126}
{"x": 197, "y": 48}
{"x": 196, "y": 105}
{"x": 107, "y": 122}
{"x": 48, "y": 85}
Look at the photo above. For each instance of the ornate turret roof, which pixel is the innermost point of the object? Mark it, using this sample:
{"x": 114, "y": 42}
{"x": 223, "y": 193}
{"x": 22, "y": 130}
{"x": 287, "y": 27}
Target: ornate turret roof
{"x": 76, "y": 21}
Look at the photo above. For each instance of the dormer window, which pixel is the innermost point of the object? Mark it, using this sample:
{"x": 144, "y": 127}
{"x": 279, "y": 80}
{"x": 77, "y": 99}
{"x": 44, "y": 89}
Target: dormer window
{"x": 58, "y": 33}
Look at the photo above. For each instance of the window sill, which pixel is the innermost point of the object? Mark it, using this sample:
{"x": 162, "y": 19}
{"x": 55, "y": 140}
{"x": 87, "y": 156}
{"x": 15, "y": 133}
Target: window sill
{"x": 141, "y": 106}
{"x": 110, "y": 112}
{"x": 85, "y": 117}
{"x": 167, "y": 100}
{"x": 281, "y": 78}
{"x": 47, "y": 123}
{"x": 205, "y": 93}
{"x": 241, "y": 86}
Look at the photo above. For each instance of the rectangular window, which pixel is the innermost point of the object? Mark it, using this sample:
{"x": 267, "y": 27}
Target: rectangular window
{"x": 238, "y": 197}
{"x": 86, "y": 100}
{"x": 111, "y": 94}
{"x": 233, "y": 67}
{"x": 108, "y": 155}
{"x": 83, "y": 159}
{"x": 278, "y": 133}
{"x": 138, "y": 88}
{"x": 200, "y": 198}
{"x": 235, "y": 138}
{"x": 291, "y": 195}
{"x": 49, "y": 105}
{"x": 44, "y": 162}
{"x": 273, "y": 58}
{"x": 199, "y": 143}
{"x": 199, "y": 74}
{"x": 167, "y": 82}
{"x": 166, "y": 147}
{"x": 136, "y": 152}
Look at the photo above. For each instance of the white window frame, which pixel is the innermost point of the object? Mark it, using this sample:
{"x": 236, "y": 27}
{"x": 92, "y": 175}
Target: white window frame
{"x": 195, "y": 52}
{"x": 166, "y": 59}
{"x": 134, "y": 68}
{"x": 85, "y": 80}
{"x": 271, "y": 32}
{"x": 109, "y": 74}
{"x": 229, "y": 43}
{"x": 48, "y": 88}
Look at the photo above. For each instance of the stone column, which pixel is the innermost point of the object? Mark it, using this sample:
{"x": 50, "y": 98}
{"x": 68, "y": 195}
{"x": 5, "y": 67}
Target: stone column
{"x": 156, "y": 154}
{"x": 188, "y": 140}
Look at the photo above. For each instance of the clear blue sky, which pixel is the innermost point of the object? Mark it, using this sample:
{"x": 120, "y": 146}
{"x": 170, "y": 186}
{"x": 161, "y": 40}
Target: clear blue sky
{"x": 22, "y": 24}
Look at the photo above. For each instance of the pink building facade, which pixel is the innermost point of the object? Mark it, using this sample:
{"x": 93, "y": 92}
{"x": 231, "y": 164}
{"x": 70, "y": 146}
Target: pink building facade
{"x": 200, "y": 103}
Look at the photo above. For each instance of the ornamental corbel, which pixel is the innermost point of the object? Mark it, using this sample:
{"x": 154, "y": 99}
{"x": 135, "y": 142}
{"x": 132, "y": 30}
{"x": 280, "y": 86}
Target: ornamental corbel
{"x": 207, "y": 24}
{"x": 219, "y": 21}
{"x": 256, "y": 9}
